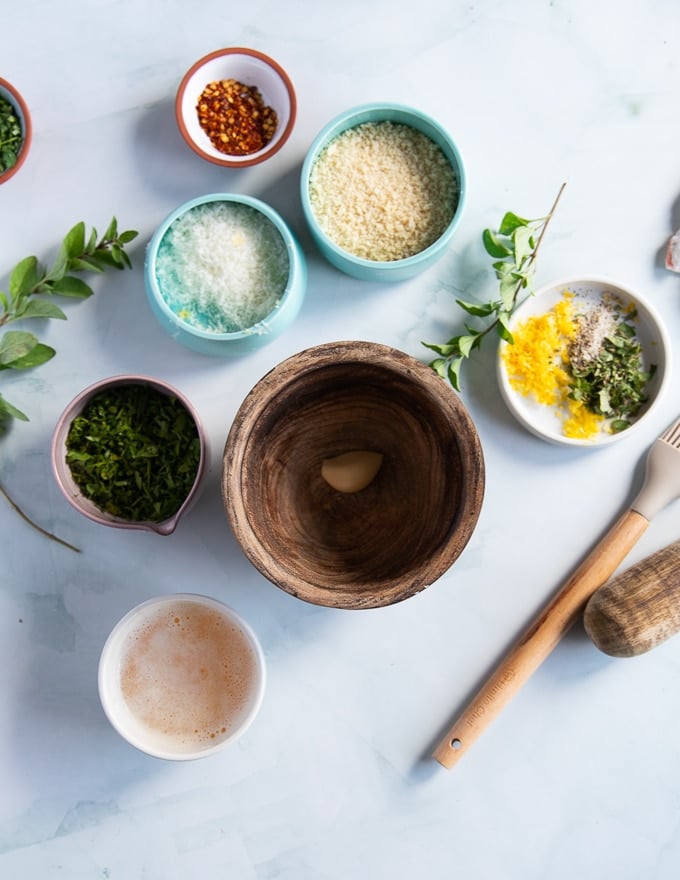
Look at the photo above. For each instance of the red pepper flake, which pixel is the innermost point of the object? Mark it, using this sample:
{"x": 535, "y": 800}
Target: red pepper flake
{"x": 235, "y": 117}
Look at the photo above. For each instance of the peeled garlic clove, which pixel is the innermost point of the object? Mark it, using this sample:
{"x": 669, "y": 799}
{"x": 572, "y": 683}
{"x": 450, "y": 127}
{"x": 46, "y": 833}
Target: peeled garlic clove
{"x": 351, "y": 471}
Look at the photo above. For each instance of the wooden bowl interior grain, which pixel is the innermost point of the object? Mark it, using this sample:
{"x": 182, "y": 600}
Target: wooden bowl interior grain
{"x": 369, "y": 548}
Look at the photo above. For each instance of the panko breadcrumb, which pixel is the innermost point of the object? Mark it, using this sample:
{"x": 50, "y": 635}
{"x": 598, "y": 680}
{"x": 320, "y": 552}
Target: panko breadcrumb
{"x": 383, "y": 191}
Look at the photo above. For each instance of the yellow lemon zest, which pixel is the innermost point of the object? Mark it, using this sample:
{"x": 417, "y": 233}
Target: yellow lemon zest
{"x": 535, "y": 362}
{"x": 536, "y": 365}
{"x": 581, "y": 424}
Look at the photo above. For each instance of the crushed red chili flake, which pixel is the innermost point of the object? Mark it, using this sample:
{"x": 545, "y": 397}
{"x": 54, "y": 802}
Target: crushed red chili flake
{"x": 235, "y": 117}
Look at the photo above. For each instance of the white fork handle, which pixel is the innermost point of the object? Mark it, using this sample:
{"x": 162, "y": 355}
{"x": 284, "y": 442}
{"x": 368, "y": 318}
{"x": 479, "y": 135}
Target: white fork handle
{"x": 662, "y": 479}
{"x": 541, "y": 637}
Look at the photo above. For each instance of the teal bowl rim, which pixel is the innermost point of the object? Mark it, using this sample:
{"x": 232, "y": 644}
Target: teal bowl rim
{"x": 277, "y": 221}
{"x": 373, "y": 112}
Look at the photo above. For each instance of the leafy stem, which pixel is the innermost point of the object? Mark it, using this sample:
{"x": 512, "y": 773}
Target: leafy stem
{"x": 513, "y": 247}
{"x": 31, "y": 286}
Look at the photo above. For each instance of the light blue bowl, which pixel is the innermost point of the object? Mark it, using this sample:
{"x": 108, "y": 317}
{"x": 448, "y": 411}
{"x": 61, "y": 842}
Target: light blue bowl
{"x": 241, "y": 341}
{"x": 372, "y": 270}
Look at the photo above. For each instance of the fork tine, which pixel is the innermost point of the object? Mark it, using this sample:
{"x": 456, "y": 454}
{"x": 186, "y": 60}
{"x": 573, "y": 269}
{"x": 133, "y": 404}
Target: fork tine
{"x": 672, "y": 434}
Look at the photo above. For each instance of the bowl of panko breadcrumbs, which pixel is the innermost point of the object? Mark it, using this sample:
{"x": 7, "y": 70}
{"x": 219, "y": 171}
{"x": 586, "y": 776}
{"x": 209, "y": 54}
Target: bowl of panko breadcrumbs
{"x": 588, "y": 362}
{"x": 236, "y": 107}
{"x": 383, "y": 188}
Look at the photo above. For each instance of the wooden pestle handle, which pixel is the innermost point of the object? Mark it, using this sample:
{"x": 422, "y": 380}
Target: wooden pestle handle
{"x": 543, "y": 634}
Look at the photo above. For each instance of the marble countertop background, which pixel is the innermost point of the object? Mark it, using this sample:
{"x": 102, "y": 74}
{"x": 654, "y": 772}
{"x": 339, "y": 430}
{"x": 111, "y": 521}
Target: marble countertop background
{"x": 580, "y": 776}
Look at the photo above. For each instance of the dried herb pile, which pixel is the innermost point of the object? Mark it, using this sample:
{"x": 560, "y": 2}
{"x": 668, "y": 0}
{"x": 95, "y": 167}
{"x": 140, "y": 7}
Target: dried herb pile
{"x": 134, "y": 452}
{"x": 613, "y": 384}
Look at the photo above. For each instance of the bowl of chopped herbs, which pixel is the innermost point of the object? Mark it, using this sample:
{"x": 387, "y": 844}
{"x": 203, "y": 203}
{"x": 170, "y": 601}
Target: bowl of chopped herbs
{"x": 15, "y": 130}
{"x": 130, "y": 452}
{"x": 585, "y": 361}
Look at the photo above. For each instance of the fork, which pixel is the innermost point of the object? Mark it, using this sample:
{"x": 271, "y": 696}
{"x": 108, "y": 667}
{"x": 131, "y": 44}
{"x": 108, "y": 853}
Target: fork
{"x": 661, "y": 486}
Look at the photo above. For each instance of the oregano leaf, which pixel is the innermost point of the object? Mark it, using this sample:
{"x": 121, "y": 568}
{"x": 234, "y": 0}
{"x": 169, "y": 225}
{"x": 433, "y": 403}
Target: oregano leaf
{"x": 510, "y": 222}
{"x": 38, "y": 355}
{"x": 521, "y": 238}
{"x": 42, "y": 308}
{"x": 24, "y": 277}
{"x": 74, "y": 242}
{"x": 502, "y": 267}
{"x": 504, "y": 329}
{"x": 91, "y": 242}
{"x": 444, "y": 349}
{"x": 7, "y": 409}
{"x": 508, "y": 289}
{"x": 111, "y": 231}
{"x": 453, "y": 373}
{"x": 494, "y": 246}
{"x": 103, "y": 258}
{"x": 69, "y": 285}
{"x": 85, "y": 264}
{"x": 466, "y": 344}
{"x": 439, "y": 365}
{"x": 479, "y": 310}
{"x": 60, "y": 265}
{"x": 15, "y": 344}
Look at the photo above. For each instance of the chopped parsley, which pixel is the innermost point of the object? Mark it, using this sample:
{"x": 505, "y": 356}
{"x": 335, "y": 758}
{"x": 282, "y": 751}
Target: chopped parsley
{"x": 134, "y": 452}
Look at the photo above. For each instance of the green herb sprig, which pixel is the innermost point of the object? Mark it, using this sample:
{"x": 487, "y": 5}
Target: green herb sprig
{"x": 31, "y": 287}
{"x": 513, "y": 247}
{"x": 11, "y": 137}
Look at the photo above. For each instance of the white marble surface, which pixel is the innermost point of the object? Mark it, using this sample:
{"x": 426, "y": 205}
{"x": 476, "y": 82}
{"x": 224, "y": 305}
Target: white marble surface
{"x": 580, "y": 776}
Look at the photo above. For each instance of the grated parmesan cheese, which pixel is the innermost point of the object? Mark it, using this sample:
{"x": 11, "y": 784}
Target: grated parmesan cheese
{"x": 222, "y": 267}
{"x": 383, "y": 191}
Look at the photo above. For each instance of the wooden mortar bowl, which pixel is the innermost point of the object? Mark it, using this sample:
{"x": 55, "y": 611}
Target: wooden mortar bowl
{"x": 393, "y": 538}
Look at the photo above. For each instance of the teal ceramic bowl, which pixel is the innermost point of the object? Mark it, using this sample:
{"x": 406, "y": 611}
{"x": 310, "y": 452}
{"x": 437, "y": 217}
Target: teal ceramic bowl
{"x": 395, "y": 269}
{"x": 245, "y": 246}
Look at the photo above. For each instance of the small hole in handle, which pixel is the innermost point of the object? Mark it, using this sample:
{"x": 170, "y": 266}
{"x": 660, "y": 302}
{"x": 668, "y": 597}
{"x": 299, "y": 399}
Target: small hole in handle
{"x": 456, "y": 744}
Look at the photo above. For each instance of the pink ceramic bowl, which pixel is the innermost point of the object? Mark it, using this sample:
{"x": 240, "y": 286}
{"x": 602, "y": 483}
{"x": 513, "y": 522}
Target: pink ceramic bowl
{"x": 72, "y": 491}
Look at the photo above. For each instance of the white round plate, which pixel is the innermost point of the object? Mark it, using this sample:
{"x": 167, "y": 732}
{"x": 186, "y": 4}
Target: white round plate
{"x": 546, "y": 421}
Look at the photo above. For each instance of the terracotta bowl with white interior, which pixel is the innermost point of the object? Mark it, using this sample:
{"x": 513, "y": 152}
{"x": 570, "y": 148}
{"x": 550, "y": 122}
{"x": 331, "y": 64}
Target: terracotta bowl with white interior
{"x": 254, "y": 70}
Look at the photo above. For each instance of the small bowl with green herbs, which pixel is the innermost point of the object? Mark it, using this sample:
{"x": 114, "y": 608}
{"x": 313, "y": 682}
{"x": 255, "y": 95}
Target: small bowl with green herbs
{"x": 588, "y": 360}
{"x": 15, "y": 130}
{"x": 130, "y": 452}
